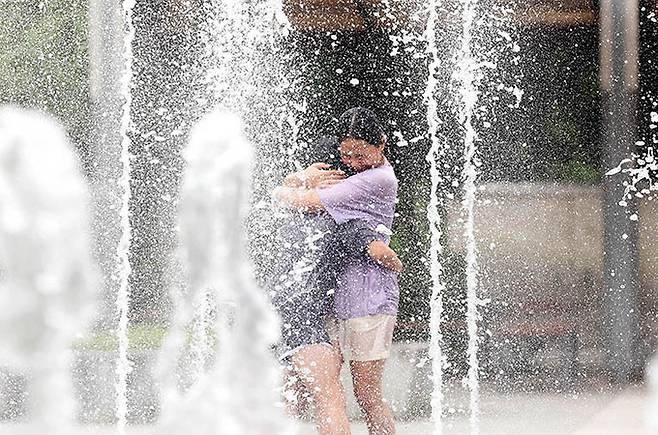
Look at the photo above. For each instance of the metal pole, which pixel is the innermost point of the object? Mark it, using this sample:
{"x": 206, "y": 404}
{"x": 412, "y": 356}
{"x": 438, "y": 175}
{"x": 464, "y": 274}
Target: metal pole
{"x": 619, "y": 39}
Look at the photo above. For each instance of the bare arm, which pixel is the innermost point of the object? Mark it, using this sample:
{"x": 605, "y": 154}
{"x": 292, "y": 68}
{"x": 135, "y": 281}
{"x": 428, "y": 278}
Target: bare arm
{"x": 382, "y": 254}
{"x": 297, "y": 190}
{"x": 316, "y": 175}
{"x": 298, "y": 198}
{"x": 296, "y": 179}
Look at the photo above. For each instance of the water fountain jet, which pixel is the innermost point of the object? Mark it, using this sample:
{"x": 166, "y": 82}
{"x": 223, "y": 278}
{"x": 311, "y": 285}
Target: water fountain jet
{"x": 214, "y": 198}
{"x": 45, "y": 266}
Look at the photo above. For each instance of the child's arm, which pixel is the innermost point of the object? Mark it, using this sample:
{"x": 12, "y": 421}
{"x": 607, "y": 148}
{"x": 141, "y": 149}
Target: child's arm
{"x": 314, "y": 176}
{"x": 356, "y": 237}
{"x": 298, "y": 198}
{"x": 298, "y": 188}
{"x": 382, "y": 254}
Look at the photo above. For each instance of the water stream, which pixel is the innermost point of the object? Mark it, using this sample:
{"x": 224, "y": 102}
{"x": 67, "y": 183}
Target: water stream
{"x": 123, "y": 248}
{"x": 468, "y": 80}
{"x": 235, "y": 319}
{"x": 46, "y": 272}
{"x": 434, "y": 218}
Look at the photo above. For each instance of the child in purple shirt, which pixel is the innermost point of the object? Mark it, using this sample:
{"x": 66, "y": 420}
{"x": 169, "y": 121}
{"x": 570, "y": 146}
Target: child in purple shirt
{"x": 366, "y": 299}
{"x": 364, "y": 287}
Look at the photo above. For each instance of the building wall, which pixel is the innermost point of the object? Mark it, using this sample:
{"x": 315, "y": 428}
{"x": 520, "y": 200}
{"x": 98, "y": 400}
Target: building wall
{"x": 540, "y": 250}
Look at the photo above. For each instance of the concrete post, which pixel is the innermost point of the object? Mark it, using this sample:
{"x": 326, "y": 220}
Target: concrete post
{"x": 619, "y": 40}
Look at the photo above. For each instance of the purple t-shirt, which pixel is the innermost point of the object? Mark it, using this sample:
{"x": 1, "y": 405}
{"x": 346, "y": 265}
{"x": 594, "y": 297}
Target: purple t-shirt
{"x": 365, "y": 288}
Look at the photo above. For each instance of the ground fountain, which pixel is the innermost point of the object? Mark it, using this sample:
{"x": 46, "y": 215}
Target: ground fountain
{"x": 434, "y": 218}
{"x": 215, "y": 370}
{"x": 468, "y": 75}
{"x": 45, "y": 266}
{"x": 473, "y": 55}
{"x": 214, "y": 200}
{"x": 123, "y": 248}
{"x": 235, "y": 33}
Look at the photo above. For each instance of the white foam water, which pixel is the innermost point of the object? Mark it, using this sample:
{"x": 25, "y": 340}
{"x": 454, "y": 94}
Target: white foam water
{"x": 640, "y": 169}
{"x": 123, "y": 248}
{"x": 242, "y": 382}
{"x": 243, "y": 37}
{"x": 468, "y": 78}
{"x": 214, "y": 385}
{"x": 434, "y": 219}
{"x": 46, "y": 272}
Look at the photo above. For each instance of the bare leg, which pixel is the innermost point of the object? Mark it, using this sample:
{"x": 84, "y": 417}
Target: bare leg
{"x": 318, "y": 366}
{"x": 367, "y": 380}
{"x": 295, "y": 394}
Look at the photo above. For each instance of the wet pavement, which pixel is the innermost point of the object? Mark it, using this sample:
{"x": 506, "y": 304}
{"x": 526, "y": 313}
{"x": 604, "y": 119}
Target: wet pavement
{"x": 585, "y": 413}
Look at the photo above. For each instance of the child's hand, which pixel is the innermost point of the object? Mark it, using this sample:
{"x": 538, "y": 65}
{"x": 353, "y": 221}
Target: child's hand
{"x": 328, "y": 183}
{"x": 382, "y": 254}
{"x": 395, "y": 264}
{"x": 320, "y": 175}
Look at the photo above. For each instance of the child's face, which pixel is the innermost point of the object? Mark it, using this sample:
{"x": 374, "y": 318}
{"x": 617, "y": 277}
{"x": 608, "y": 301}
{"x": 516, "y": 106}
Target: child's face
{"x": 360, "y": 155}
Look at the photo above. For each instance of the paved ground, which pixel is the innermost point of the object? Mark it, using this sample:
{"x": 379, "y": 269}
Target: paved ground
{"x": 622, "y": 413}
{"x": 626, "y": 414}
{"x": 594, "y": 413}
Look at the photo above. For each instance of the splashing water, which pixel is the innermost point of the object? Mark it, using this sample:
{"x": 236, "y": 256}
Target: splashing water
{"x": 201, "y": 346}
{"x": 239, "y": 37}
{"x": 247, "y": 36}
{"x": 188, "y": 350}
{"x": 124, "y": 269}
{"x": 434, "y": 218}
{"x": 468, "y": 78}
{"x": 45, "y": 265}
{"x": 243, "y": 381}
{"x": 642, "y": 170}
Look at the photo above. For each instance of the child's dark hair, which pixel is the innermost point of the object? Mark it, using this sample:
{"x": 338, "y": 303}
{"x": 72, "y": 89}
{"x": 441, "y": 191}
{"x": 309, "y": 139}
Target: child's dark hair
{"x": 360, "y": 123}
{"x": 325, "y": 149}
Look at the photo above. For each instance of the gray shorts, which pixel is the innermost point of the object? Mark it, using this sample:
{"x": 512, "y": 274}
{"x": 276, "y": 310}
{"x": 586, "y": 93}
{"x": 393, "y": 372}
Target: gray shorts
{"x": 302, "y": 322}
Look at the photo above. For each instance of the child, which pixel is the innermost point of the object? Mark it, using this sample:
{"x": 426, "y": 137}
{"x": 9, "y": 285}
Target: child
{"x": 366, "y": 299}
{"x": 314, "y": 249}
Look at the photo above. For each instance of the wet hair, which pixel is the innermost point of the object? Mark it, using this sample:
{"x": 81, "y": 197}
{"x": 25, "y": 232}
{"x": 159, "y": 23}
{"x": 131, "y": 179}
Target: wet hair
{"x": 325, "y": 149}
{"x": 360, "y": 123}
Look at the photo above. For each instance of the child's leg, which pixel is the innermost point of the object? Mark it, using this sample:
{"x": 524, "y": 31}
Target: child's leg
{"x": 318, "y": 366}
{"x": 367, "y": 380}
{"x": 367, "y": 346}
{"x": 295, "y": 394}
